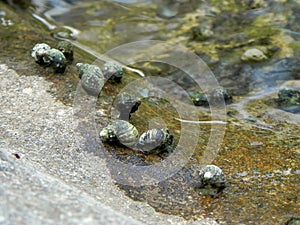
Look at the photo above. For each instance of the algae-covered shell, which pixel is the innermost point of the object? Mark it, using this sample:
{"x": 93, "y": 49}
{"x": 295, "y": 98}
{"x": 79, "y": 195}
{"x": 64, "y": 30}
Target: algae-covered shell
{"x": 56, "y": 59}
{"x": 120, "y": 131}
{"x": 66, "y": 48}
{"x": 92, "y": 79}
{"x": 254, "y": 55}
{"x": 155, "y": 141}
{"x": 38, "y": 52}
{"x": 113, "y": 71}
{"x": 212, "y": 175}
{"x": 126, "y": 104}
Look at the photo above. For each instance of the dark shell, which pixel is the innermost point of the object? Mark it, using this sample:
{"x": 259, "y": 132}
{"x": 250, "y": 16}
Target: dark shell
{"x": 120, "y": 131}
{"x": 67, "y": 49}
{"x": 92, "y": 79}
{"x": 155, "y": 141}
{"x": 113, "y": 71}
{"x": 126, "y": 104}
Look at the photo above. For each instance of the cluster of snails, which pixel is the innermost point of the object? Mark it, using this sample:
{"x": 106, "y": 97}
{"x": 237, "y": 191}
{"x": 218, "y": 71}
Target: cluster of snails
{"x": 153, "y": 141}
{"x": 57, "y": 57}
{"x": 120, "y": 131}
{"x": 92, "y": 78}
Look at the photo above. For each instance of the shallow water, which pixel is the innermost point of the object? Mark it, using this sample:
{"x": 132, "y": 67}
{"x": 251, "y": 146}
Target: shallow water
{"x": 260, "y": 152}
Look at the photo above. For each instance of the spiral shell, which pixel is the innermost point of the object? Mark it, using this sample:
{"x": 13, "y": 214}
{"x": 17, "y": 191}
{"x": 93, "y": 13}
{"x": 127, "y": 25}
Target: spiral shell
{"x": 66, "y": 48}
{"x": 155, "y": 141}
{"x": 44, "y": 55}
{"x": 120, "y": 131}
{"x": 212, "y": 175}
{"x": 126, "y": 104}
{"x": 92, "y": 79}
{"x": 254, "y": 54}
{"x": 38, "y": 52}
{"x": 113, "y": 71}
{"x": 56, "y": 59}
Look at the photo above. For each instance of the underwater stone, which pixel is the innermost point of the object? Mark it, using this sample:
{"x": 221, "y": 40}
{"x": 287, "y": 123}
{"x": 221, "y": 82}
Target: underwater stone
{"x": 113, "y": 71}
{"x": 120, "y": 131}
{"x": 92, "y": 79}
{"x": 67, "y": 49}
{"x": 254, "y": 54}
{"x": 126, "y": 104}
{"x": 155, "y": 141}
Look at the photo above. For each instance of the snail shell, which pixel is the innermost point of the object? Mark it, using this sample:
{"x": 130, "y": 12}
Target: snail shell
{"x": 67, "y": 49}
{"x": 92, "y": 79}
{"x": 38, "y": 52}
{"x": 56, "y": 59}
{"x": 126, "y": 104}
{"x": 120, "y": 131}
{"x": 212, "y": 175}
{"x": 113, "y": 71}
{"x": 254, "y": 54}
{"x": 155, "y": 141}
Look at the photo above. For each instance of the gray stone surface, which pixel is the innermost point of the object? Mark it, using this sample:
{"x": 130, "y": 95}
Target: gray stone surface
{"x": 54, "y": 181}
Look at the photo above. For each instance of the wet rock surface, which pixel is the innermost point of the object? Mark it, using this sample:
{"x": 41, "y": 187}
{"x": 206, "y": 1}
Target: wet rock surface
{"x": 259, "y": 153}
{"x": 52, "y": 181}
